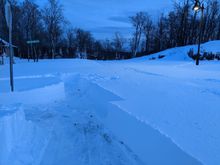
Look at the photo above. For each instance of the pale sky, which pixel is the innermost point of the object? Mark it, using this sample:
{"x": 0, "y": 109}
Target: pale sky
{"x": 105, "y": 17}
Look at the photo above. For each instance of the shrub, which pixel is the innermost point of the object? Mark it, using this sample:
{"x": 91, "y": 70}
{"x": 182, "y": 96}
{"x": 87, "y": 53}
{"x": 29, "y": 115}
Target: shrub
{"x": 204, "y": 56}
{"x": 161, "y": 56}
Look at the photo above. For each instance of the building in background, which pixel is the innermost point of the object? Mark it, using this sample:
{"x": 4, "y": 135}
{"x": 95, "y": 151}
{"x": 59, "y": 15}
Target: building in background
{"x": 4, "y": 50}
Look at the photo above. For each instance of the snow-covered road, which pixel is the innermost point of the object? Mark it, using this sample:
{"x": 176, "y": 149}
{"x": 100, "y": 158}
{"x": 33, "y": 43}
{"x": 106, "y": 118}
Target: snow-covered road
{"x": 132, "y": 112}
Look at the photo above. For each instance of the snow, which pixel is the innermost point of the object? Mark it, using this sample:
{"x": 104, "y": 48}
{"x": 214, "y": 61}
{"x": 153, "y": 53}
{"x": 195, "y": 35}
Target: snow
{"x": 181, "y": 53}
{"x": 135, "y": 111}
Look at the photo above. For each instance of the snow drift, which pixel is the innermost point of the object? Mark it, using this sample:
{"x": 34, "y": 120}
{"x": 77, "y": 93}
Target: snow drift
{"x": 135, "y": 111}
{"x": 181, "y": 53}
{"x": 84, "y": 128}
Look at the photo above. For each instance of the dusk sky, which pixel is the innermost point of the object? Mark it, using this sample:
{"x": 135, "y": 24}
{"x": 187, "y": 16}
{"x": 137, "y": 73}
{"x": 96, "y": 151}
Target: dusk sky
{"x": 105, "y": 17}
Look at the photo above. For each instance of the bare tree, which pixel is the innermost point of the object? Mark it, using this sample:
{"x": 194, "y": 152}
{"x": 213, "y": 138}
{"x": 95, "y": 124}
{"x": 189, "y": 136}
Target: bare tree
{"x": 3, "y": 26}
{"x": 53, "y": 19}
{"x": 70, "y": 37}
{"x": 84, "y": 42}
{"x": 118, "y": 44}
{"x": 107, "y": 45}
{"x": 148, "y": 30}
{"x": 218, "y": 29}
{"x": 211, "y": 20}
{"x": 161, "y": 34}
{"x": 30, "y": 19}
{"x": 138, "y": 24}
{"x": 30, "y": 22}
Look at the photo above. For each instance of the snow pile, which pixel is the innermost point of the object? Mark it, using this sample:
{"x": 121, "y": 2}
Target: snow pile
{"x": 19, "y": 137}
{"x": 181, "y": 53}
{"x": 112, "y": 112}
{"x": 60, "y": 133}
{"x": 212, "y": 46}
{"x": 84, "y": 128}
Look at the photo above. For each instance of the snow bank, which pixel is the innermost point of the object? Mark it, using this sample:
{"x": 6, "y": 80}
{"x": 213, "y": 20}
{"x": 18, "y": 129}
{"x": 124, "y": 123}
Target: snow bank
{"x": 59, "y": 132}
{"x": 84, "y": 128}
{"x": 149, "y": 144}
{"x": 181, "y": 53}
{"x": 19, "y": 137}
{"x": 42, "y": 95}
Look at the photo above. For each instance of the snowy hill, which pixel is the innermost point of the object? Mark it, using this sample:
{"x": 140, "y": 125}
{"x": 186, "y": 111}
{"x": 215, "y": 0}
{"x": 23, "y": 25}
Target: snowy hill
{"x": 151, "y": 112}
{"x": 181, "y": 53}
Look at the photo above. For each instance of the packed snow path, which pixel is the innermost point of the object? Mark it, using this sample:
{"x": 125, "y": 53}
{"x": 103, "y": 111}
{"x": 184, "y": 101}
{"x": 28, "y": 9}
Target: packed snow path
{"x": 69, "y": 131}
{"x": 153, "y": 112}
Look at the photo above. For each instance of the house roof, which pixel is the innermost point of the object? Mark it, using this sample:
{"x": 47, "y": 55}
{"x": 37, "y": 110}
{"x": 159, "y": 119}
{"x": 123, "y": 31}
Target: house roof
{"x": 6, "y": 44}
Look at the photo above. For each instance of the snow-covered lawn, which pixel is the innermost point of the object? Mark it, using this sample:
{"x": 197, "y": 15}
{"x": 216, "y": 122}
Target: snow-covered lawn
{"x": 138, "y": 111}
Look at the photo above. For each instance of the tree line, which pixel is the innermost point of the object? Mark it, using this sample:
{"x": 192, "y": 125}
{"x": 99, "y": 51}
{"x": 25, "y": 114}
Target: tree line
{"x": 179, "y": 27}
{"x": 58, "y": 38}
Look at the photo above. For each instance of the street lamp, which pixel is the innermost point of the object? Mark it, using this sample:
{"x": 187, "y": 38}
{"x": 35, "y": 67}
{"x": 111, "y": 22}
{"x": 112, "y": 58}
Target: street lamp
{"x": 199, "y": 7}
